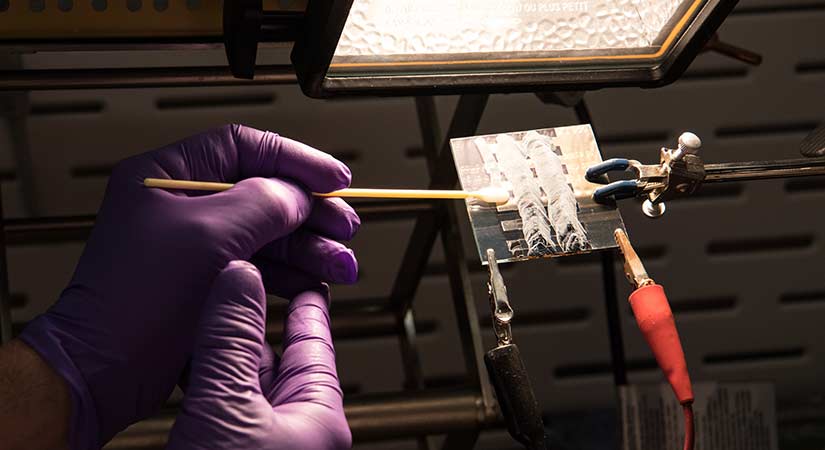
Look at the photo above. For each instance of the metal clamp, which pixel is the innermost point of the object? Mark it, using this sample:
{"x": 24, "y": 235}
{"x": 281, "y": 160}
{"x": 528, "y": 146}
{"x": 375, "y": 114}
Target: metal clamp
{"x": 502, "y": 312}
{"x": 634, "y": 270}
{"x": 508, "y": 375}
{"x": 680, "y": 172}
{"x": 647, "y": 178}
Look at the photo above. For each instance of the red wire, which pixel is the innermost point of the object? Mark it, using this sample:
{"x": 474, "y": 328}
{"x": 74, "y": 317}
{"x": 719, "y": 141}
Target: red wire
{"x": 689, "y": 431}
{"x": 655, "y": 320}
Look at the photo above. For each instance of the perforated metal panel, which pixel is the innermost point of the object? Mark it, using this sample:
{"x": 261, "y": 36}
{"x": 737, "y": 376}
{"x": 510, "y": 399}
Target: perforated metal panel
{"x": 743, "y": 264}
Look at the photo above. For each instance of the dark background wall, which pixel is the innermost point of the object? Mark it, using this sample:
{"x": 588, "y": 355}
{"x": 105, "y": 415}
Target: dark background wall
{"x": 742, "y": 263}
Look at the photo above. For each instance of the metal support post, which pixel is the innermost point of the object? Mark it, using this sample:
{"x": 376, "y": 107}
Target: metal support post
{"x": 139, "y": 77}
{"x": 611, "y": 299}
{"x": 465, "y": 122}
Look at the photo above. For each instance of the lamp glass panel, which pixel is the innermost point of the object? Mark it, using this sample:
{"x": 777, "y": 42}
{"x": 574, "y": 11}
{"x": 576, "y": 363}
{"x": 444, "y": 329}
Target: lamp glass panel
{"x": 443, "y": 29}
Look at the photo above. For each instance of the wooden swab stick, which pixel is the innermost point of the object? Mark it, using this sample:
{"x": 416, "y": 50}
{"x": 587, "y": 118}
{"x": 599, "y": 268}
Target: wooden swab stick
{"x": 489, "y": 195}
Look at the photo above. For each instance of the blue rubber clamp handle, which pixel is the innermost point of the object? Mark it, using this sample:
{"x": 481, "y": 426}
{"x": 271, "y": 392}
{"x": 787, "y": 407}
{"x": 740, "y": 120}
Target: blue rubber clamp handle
{"x": 616, "y": 191}
{"x": 595, "y": 173}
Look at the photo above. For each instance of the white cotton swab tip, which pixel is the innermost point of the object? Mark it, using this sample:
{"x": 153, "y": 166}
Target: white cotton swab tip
{"x": 492, "y": 194}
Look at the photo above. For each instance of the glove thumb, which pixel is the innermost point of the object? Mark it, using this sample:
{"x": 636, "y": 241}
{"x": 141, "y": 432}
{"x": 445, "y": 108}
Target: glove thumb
{"x": 231, "y": 332}
{"x": 224, "y": 392}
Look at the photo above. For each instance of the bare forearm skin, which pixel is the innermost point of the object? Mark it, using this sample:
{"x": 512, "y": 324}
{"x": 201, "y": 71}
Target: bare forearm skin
{"x": 34, "y": 401}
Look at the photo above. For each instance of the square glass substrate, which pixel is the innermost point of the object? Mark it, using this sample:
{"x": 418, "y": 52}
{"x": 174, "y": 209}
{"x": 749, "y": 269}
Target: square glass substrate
{"x": 533, "y": 224}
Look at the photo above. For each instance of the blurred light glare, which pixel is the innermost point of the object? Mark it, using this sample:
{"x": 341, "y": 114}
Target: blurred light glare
{"x": 378, "y": 28}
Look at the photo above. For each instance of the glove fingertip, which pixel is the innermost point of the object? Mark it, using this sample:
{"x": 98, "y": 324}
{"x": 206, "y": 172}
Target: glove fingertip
{"x": 241, "y": 265}
{"x": 355, "y": 224}
{"x": 334, "y": 218}
{"x": 345, "y": 177}
{"x": 344, "y": 267}
{"x": 244, "y": 278}
{"x": 318, "y": 295}
{"x": 242, "y": 271}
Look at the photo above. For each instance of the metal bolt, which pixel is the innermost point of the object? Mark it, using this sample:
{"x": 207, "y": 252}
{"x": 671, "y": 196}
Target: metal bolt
{"x": 689, "y": 143}
{"x": 654, "y": 211}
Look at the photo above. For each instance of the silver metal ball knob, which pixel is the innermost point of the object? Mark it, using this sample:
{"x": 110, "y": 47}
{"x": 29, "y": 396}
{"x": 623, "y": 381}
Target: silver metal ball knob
{"x": 689, "y": 142}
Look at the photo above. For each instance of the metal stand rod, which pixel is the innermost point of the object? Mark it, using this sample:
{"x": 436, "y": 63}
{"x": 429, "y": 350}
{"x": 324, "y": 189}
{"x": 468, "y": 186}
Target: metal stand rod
{"x": 460, "y": 283}
{"x": 352, "y": 319}
{"x": 413, "y": 376}
{"x": 50, "y": 79}
{"x": 465, "y": 306}
{"x": 611, "y": 299}
{"x": 393, "y": 417}
{"x": 442, "y": 173}
{"x": 370, "y": 417}
{"x": 764, "y": 170}
{"x": 614, "y": 324}
{"x": 465, "y": 120}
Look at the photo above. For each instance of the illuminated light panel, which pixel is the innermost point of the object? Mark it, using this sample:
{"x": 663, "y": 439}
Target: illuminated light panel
{"x": 438, "y": 27}
{"x": 397, "y": 47}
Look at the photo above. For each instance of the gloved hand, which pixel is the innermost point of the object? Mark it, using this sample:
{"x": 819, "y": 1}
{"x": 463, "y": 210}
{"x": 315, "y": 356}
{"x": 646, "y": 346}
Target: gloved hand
{"x": 123, "y": 330}
{"x": 239, "y": 395}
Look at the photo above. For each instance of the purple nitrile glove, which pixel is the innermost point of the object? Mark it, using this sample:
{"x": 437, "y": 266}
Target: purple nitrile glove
{"x": 239, "y": 396}
{"x": 124, "y": 329}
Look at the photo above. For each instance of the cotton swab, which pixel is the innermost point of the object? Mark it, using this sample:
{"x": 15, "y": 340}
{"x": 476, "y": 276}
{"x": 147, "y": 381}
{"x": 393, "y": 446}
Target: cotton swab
{"x": 489, "y": 194}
